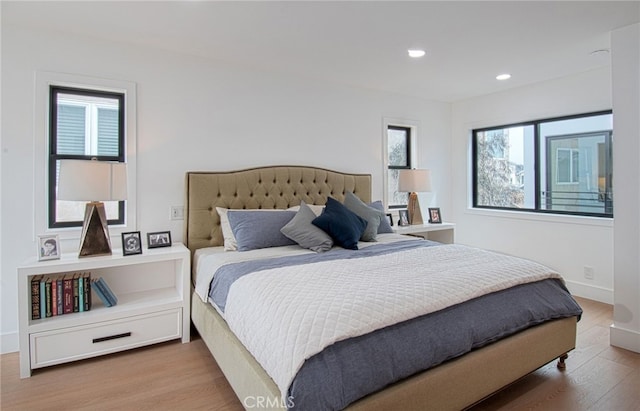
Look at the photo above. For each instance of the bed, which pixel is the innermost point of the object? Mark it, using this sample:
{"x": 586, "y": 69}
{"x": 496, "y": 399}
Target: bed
{"x": 482, "y": 370}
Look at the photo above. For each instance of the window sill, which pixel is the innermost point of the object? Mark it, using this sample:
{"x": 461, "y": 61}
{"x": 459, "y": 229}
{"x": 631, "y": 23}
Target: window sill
{"x": 543, "y": 217}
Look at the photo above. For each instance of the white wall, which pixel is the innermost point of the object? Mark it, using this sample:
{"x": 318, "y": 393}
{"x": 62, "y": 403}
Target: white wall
{"x": 625, "y": 42}
{"x": 565, "y": 243}
{"x": 194, "y": 114}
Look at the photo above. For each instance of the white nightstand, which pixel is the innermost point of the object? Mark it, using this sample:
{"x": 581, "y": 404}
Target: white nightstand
{"x": 443, "y": 233}
{"x": 153, "y": 291}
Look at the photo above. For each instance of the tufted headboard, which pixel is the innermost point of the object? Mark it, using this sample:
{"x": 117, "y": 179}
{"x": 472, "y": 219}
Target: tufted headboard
{"x": 264, "y": 187}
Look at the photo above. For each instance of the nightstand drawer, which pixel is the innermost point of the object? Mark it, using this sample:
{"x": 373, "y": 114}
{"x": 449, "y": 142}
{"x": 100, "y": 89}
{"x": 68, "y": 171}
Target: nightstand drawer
{"x": 68, "y": 344}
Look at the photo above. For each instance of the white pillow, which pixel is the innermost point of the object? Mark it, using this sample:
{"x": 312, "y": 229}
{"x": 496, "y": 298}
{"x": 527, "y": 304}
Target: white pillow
{"x": 230, "y": 243}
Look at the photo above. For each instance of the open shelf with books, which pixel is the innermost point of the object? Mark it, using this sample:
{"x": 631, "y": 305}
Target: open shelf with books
{"x": 153, "y": 301}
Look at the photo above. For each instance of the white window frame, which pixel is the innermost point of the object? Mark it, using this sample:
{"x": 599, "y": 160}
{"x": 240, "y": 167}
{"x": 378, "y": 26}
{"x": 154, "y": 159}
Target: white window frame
{"x": 44, "y": 80}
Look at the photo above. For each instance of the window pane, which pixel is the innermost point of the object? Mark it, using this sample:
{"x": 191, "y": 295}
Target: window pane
{"x": 71, "y": 129}
{"x": 576, "y": 167}
{"x": 107, "y": 132}
{"x": 69, "y": 211}
{"x": 504, "y": 166}
{"x": 577, "y": 173}
{"x": 395, "y": 198}
{"x": 398, "y": 146}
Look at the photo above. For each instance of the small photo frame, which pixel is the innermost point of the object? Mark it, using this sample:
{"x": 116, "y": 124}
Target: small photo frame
{"x": 434, "y": 216}
{"x": 404, "y": 217}
{"x": 48, "y": 247}
{"x": 131, "y": 243}
{"x": 390, "y": 219}
{"x": 159, "y": 239}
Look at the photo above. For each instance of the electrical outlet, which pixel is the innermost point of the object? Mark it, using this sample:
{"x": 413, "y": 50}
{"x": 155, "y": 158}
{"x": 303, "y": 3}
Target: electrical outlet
{"x": 588, "y": 272}
{"x": 177, "y": 212}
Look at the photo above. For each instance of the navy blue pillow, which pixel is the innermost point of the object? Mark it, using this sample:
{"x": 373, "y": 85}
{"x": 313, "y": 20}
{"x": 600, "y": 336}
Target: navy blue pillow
{"x": 342, "y": 224}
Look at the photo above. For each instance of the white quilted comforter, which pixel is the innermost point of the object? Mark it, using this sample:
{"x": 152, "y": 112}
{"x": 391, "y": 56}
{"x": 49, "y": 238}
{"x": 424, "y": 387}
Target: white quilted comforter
{"x": 284, "y": 316}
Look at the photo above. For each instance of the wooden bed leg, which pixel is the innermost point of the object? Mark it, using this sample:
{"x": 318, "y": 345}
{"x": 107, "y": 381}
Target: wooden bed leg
{"x": 561, "y": 364}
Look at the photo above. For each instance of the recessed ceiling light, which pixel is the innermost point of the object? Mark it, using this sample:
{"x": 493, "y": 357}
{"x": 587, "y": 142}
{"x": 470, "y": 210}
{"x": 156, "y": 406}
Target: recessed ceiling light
{"x": 416, "y": 53}
{"x": 601, "y": 52}
{"x": 503, "y": 76}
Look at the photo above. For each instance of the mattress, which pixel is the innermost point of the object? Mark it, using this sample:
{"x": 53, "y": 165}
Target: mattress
{"x": 347, "y": 367}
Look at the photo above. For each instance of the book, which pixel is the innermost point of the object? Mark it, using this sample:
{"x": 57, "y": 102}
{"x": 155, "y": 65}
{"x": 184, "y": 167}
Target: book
{"x": 68, "y": 293}
{"x": 43, "y": 300}
{"x": 47, "y": 290}
{"x": 99, "y": 293}
{"x": 60, "y": 295}
{"x": 35, "y": 297}
{"x": 54, "y": 297}
{"x": 86, "y": 277}
{"x": 107, "y": 291}
{"x": 81, "y": 292}
{"x": 76, "y": 300}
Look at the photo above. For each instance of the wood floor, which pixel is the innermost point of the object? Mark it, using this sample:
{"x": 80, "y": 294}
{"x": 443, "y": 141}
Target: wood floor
{"x": 175, "y": 376}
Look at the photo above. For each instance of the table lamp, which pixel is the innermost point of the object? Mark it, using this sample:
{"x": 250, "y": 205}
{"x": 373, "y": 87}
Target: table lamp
{"x": 93, "y": 181}
{"x": 414, "y": 181}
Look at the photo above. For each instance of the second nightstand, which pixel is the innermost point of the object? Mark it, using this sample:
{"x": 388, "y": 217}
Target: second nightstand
{"x": 443, "y": 232}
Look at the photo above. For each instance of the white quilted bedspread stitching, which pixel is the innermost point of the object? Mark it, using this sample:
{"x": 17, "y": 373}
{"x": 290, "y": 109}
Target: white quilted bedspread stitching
{"x": 284, "y": 316}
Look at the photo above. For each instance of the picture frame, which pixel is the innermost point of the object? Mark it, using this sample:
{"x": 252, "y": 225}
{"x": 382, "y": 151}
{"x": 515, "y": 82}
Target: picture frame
{"x": 434, "y": 216}
{"x": 48, "y": 247}
{"x": 404, "y": 218}
{"x": 131, "y": 243}
{"x": 390, "y": 219}
{"x": 159, "y": 239}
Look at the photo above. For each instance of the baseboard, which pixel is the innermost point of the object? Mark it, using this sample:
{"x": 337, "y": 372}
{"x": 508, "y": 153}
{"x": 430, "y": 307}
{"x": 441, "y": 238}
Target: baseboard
{"x": 591, "y": 292}
{"x": 9, "y": 343}
{"x": 623, "y": 338}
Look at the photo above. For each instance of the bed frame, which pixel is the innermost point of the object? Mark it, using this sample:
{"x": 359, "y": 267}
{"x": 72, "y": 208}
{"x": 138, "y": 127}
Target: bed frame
{"x": 481, "y": 372}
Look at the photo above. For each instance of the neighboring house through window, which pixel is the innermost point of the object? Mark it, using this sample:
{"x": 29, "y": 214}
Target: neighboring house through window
{"x": 560, "y": 165}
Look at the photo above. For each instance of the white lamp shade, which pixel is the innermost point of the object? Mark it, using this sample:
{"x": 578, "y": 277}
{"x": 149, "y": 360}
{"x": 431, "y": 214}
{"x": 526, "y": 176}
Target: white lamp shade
{"x": 414, "y": 181}
{"x": 90, "y": 180}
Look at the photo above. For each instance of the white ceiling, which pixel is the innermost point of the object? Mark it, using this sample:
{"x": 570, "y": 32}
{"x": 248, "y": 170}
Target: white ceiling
{"x": 360, "y": 43}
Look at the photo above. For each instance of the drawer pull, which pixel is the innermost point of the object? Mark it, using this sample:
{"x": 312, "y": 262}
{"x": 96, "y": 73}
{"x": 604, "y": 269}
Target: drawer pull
{"x": 111, "y": 337}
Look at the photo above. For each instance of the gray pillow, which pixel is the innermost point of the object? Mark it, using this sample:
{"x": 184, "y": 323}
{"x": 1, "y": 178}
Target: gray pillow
{"x": 307, "y": 235}
{"x": 259, "y": 229}
{"x": 385, "y": 227}
{"x": 371, "y": 215}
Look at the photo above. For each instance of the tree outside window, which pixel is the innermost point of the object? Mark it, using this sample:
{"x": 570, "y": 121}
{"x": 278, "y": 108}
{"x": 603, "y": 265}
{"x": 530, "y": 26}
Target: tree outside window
{"x": 399, "y": 158}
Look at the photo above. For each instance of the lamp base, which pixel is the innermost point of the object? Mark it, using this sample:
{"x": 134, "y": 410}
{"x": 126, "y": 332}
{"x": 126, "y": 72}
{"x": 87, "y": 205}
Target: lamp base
{"x": 95, "y": 232}
{"x": 415, "y": 215}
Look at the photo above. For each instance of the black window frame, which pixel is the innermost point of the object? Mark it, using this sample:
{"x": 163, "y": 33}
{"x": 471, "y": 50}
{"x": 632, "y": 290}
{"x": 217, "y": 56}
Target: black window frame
{"x": 406, "y": 129}
{"x": 537, "y": 161}
{"x": 54, "y": 91}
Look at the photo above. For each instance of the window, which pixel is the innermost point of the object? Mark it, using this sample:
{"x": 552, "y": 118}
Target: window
{"x": 561, "y": 165}
{"x": 83, "y": 124}
{"x": 567, "y": 165}
{"x": 399, "y": 157}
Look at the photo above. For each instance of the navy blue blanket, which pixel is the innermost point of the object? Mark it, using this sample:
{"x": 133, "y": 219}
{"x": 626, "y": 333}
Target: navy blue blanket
{"x": 351, "y": 369}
